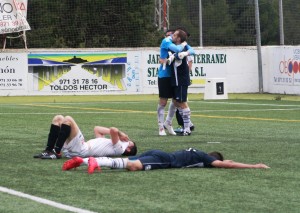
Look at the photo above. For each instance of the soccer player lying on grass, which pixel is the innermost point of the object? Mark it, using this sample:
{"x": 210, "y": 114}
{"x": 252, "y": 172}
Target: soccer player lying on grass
{"x": 157, "y": 159}
{"x": 66, "y": 136}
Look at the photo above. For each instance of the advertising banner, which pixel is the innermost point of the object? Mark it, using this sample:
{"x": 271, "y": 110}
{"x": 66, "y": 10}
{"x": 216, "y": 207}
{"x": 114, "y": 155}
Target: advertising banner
{"x": 286, "y": 66}
{"x": 13, "y": 16}
{"x": 13, "y": 71}
{"x": 113, "y": 72}
{"x": 84, "y": 72}
{"x": 208, "y": 63}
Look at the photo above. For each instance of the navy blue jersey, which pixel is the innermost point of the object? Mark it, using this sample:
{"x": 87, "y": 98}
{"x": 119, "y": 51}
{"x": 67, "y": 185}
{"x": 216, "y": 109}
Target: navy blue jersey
{"x": 157, "y": 159}
{"x": 180, "y": 74}
{"x": 191, "y": 158}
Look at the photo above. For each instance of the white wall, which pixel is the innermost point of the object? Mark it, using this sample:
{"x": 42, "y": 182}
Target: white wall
{"x": 281, "y": 69}
{"x": 242, "y": 70}
{"x": 238, "y": 65}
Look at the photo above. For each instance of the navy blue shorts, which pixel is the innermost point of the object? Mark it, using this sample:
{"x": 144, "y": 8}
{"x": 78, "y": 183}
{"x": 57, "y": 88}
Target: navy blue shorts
{"x": 180, "y": 93}
{"x": 154, "y": 159}
{"x": 165, "y": 87}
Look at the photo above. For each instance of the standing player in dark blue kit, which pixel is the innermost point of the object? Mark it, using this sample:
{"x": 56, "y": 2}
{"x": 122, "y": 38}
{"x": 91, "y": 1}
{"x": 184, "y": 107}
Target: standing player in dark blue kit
{"x": 157, "y": 159}
{"x": 181, "y": 80}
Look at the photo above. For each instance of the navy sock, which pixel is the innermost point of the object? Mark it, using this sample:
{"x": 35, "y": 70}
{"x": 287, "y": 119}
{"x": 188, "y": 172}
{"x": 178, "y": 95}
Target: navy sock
{"x": 179, "y": 118}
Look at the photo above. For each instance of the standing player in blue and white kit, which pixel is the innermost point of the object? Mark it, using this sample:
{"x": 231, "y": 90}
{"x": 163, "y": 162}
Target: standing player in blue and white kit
{"x": 157, "y": 159}
{"x": 181, "y": 80}
{"x": 65, "y": 136}
{"x": 164, "y": 83}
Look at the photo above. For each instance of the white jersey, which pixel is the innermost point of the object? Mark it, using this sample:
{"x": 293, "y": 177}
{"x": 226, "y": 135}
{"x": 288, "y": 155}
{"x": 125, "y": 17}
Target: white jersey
{"x": 98, "y": 147}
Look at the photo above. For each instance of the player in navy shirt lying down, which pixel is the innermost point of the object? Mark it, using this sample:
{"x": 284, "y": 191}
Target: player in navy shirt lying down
{"x": 157, "y": 159}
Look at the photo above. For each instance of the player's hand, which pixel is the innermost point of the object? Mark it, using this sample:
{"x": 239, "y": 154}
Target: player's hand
{"x": 183, "y": 44}
{"x": 170, "y": 59}
{"x": 123, "y": 137}
{"x": 261, "y": 165}
{"x": 162, "y": 61}
{"x": 181, "y": 55}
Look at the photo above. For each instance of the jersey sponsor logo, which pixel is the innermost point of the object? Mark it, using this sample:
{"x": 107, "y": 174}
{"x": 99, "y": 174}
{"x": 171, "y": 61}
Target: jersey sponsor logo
{"x": 148, "y": 167}
{"x": 191, "y": 150}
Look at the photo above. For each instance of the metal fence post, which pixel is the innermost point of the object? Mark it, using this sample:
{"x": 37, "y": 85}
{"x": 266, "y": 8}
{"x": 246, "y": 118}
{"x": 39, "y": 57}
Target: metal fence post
{"x": 281, "y": 31}
{"x": 200, "y": 24}
{"x": 258, "y": 44}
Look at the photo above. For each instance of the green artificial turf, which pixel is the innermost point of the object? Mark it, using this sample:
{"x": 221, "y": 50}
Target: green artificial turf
{"x": 249, "y": 128}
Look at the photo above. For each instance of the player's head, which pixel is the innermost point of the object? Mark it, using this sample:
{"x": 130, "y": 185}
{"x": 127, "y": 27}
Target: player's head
{"x": 217, "y": 155}
{"x": 179, "y": 36}
{"x": 131, "y": 149}
{"x": 184, "y": 30}
{"x": 169, "y": 32}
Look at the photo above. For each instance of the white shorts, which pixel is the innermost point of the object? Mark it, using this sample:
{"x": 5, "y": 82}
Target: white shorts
{"x": 76, "y": 147}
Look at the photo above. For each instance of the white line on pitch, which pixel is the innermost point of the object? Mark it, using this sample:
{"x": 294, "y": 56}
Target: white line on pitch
{"x": 55, "y": 113}
{"x": 245, "y": 110}
{"x": 93, "y": 112}
{"x": 248, "y": 104}
{"x": 213, "y": 142}
{"x": 44, "y": 201}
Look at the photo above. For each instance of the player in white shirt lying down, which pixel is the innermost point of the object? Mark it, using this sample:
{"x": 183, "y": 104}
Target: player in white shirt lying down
{"x": 65, "y": 136}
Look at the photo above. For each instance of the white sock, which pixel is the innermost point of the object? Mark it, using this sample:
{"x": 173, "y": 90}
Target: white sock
{"x": 160, "y": 115}
{"x": 171, "y": 113}
{"x": 85, "y": 161}
{"x": 116, "y": 163}
{"x": 186, "y": 116}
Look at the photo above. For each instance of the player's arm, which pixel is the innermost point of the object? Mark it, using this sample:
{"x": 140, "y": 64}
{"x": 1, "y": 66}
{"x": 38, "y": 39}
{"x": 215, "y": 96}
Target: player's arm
{"x": 190, "y": 63}
{"x": 101, "y": 131}
{"x": 177, "y": 48}
{"x": 116, "y": 135}
{"x": 236, "y": 165}
{"x": 163, "y": 53}
{"x": 189, "y": 51}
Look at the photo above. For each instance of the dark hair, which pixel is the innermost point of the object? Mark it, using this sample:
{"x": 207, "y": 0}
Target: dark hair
{"x": 184, "y": 30}
{"x": 169, "y": 30}
{"x": 217, "y": 155}
{"x": 132, "y": 152}
{"x": 181, "y": 35}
